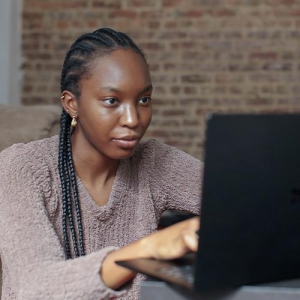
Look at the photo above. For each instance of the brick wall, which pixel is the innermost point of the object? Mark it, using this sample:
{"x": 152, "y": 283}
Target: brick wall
{"x": 204, "y": 55}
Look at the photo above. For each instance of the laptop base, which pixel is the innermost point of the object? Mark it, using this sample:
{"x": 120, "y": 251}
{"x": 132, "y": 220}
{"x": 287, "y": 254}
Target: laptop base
{"x": 288, "y": 290}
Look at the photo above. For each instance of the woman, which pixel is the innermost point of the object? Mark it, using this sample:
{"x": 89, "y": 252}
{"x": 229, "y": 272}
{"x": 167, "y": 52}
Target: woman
{"x": 72, "y": 205}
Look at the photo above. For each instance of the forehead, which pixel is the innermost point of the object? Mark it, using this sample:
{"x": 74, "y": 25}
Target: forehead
{"x": 120, "y": 68}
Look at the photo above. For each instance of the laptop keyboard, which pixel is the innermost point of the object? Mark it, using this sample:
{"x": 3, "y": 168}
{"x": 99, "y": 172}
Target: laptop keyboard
{"x": 180, "y": 272}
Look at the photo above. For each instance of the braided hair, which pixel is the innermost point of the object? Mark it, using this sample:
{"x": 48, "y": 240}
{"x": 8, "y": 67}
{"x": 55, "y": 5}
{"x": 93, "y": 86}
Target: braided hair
{"x": 78, "y": 64}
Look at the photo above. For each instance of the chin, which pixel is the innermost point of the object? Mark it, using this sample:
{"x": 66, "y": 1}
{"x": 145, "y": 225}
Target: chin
{"x": 123, "y": 154}
{"x": 127, "y": 155}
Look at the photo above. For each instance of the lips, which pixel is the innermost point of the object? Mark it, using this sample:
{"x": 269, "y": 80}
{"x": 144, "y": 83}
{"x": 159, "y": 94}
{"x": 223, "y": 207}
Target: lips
{"x": 127, "y": 141}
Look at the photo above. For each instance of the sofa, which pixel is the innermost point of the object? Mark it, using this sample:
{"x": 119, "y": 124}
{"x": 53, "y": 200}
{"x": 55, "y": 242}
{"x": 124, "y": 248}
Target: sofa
{"x": 21, "y": 124}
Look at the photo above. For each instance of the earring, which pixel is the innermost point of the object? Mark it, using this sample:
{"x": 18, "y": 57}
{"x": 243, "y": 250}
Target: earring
{"x": 74, "y": 122}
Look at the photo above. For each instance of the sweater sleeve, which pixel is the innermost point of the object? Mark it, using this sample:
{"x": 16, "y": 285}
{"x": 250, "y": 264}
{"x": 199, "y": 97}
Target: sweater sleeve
{"x": 30, "y": 248}
{"x": 175, "y": 178}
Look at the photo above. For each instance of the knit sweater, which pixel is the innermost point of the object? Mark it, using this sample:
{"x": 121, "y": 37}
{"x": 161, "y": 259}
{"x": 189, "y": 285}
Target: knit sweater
{"x": 156, "y": 178}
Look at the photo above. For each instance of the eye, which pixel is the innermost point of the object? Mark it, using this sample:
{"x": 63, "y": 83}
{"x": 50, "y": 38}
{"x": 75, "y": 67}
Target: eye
{"x": 110, "y": 101}
{"x": 145, "y": 100}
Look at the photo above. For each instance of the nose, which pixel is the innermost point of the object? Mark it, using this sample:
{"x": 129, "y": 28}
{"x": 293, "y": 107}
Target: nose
{"x": 130, "y": 116}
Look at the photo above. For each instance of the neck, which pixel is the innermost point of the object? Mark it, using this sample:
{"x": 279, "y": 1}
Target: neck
{"x": 90, "y": 166}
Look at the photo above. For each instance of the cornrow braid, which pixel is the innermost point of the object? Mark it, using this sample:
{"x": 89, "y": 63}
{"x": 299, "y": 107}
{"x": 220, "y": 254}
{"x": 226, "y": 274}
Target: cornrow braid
{"x": 88, "y": 47}
{"x": 78, "y": 64}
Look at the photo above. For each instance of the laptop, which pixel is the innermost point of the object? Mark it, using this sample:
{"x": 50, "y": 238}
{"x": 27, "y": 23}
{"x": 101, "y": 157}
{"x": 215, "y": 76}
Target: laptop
{"x": 250, "y": 211}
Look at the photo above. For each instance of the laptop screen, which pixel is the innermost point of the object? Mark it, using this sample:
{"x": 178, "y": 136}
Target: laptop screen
{"x": 250, "y": 214}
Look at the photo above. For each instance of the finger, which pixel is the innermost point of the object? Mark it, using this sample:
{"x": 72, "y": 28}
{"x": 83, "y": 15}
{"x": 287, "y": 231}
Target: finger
{"x": 194, "y": 223}
{"x": 190, "y": 239}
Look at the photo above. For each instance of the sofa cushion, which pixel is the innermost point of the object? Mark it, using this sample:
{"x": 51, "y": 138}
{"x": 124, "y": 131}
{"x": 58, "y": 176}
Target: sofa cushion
{"x": 21, "y": 124}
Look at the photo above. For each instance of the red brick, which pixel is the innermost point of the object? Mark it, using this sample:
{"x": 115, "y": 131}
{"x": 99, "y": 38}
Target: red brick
{"x": 195, "y": 78}
{"x": 164, "y": 102}
{"x": 163, "y": 78}
{"x": 190, "y": 90}
{"x": 171, "y": 24}
{"x": 183, "y": 45}
{"x": 42, "y": 56}
{"x": 264, "y": 55}
{"x": 56, "y": 5}
{"x": 141, "y": 3}
{"x": 32, "y": 16}
{"x": 173, "y": 3}
{"x": 115, "y": 4}
{"x": 174, "y": 112}
{"x": 160, "y": 90}
{"x": 62, "y": 25}
{"x": 226, "y": 101}
{"x": 194, "y": 101}
{"x": 27, "y": 88}
{"x": 225, "y": 12}
{"x": 123, "y": 14}
{"x": 30, "y": 46}
{"x": 154, "y": 25}
{"x": 151, "y": 14}
{"x": 172, "y": 35}
{"x": 193, "y": 13}
{"x": 169, "y": 66}
{"x": 175, "y": 89}
{"x": 150, "y": 46}
{"x": 154, "y": 67}
{"x": 190, "y": 122}
{"x": 287, "y": 2}
{"x": 236, "y": 90}
{"x": 159, "y": 133}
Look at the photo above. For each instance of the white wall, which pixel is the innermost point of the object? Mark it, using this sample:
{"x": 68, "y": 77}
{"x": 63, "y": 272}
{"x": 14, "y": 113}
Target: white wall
{"x": 10, "y": 51}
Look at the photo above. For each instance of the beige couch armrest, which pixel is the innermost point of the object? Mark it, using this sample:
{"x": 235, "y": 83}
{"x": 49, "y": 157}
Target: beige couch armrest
{"x": 21, "y": 124}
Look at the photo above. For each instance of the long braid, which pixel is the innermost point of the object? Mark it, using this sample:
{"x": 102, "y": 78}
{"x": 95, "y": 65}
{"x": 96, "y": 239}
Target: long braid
{"x": 69, "y": 200}
{"x": 61, "y": 166}
{"x": 77, "y": 64}
{"x": 75, "y": 197}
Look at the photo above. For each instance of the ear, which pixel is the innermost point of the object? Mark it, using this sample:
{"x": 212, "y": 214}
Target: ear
{"x": 69, "y": 103}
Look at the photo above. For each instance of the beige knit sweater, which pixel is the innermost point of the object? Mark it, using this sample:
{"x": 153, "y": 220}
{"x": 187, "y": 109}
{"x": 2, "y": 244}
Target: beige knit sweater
{"x": 158, "y": 177}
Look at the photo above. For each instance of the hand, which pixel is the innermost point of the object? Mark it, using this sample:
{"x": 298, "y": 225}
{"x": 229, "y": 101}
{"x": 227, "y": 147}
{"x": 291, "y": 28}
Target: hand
{"x": 169, "y": 243}
{"x": 173, "y": 241}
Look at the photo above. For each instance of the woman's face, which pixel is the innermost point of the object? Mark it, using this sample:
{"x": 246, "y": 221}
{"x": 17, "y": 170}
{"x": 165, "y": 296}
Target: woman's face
{"x": 114, "y": 108}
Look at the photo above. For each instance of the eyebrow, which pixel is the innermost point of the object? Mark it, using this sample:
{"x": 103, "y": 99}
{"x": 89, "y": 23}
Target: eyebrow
{"x": 113, "y": 89}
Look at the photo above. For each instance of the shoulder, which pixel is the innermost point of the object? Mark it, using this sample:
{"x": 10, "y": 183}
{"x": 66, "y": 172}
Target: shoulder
{"x": 156, "y": 152}
{"x": 153, "y": 147}
{"x": 29, "y": 171}
{"x": 20, "y": 158}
